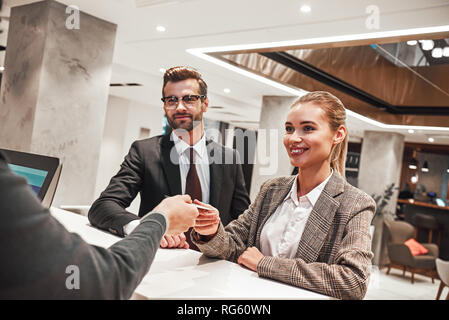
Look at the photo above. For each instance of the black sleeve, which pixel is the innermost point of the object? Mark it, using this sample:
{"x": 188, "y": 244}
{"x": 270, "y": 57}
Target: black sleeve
{"x": 37, "y": 252}
{"x": 240, "y": 197}
{"x": 109, "y": 212}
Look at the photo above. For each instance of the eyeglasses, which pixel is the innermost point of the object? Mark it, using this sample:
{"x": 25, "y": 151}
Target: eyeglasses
{"x": 189, "y": 101}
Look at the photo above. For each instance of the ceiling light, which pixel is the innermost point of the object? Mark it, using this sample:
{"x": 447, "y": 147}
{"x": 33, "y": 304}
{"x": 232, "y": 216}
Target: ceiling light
{"x": 227, "y": 90}
{"x": 437, "y": 52}
{"x": 162, "y": 70}
{"x": 446, "y": 51}
{"x": 305, "y": 9}
{"x": 321, "y": 40}
{"x": 412, "y": 42}
{"x": 431, "y": 139}
{"x": 414, "y": 179}
{"x": 427, "y": 45}
{"x": 204, "y": 53}
{"x": 160, "y": 28}
{"x": 411, "y": 131}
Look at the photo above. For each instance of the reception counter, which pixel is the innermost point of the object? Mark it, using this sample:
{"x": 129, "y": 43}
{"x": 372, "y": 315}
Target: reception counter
{"x": 187, "y": 274}
{"x": 441, "y": 214}
{"x": 423, "y": 204}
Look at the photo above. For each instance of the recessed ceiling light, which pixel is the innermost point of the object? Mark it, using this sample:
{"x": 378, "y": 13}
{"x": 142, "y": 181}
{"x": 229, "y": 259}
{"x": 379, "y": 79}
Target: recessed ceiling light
{"x": 431, "y": 139}
{"x": 437, "y": 52}
{"x": 227, "y": 90}
{"x": 305, "y": 9}
{"x": 160, "y": 28}
{"x": 411, "y": 131}
{"x": 446, "y": 51}
{"x": 162, "y": 70}
{"x": 412, "y": 42}
{"x": 427, "y": 45}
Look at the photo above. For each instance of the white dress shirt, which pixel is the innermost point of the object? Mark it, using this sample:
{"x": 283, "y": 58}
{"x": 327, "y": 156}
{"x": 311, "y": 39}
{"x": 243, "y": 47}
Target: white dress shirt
{"x": 201, "y": 161}
{"x": 282, "y": 232}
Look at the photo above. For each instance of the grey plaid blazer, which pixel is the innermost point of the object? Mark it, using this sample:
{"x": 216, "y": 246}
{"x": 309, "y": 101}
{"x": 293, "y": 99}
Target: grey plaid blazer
{"x": 334, "y": 253}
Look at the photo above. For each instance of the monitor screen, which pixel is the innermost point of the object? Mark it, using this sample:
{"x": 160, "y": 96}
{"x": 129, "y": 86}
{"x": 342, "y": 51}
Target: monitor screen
{"x": 41, "y": 172}
{"x": 35, "y": 177}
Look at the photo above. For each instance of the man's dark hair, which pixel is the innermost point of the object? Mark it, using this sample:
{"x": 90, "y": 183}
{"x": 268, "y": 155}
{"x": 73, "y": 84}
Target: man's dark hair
{"x": 181, "y": 73}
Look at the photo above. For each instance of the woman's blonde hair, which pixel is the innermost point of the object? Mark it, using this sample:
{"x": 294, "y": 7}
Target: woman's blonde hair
{"x": 336, "y": 113}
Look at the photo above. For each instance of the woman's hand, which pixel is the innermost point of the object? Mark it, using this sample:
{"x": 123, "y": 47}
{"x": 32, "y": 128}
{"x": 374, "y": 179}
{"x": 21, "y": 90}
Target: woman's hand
{"x": 250, "y": 258}
{"x": 207, "y": 221}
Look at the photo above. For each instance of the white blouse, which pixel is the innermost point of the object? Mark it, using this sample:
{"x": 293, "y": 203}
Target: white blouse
{"x": 282, "y": 232}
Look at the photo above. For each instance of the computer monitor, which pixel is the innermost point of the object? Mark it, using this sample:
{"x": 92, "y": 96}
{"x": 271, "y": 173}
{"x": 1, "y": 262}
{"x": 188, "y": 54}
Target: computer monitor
{"x": 41, "y": 172}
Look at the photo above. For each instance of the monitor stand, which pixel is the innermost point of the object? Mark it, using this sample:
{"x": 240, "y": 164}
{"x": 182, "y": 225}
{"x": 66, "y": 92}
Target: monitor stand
{"x": 48, "y": 199}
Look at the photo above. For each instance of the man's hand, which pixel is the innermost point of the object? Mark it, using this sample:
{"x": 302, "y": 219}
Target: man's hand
{"x": 250, "y": 258}
{"x": 180, "y": 212}
{"x": 174, "y": 241}
{"x": 207, "y": 221}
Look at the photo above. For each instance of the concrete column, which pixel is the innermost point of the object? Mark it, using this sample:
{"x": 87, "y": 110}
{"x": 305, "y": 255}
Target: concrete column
{"x": 54, "y": 91}
{"x": 271, "y": 157}
{"x": 380, "y": 166}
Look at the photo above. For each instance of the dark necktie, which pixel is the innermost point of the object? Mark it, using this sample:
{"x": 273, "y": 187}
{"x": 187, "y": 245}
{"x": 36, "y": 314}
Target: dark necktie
{"x": 193, "y": 188}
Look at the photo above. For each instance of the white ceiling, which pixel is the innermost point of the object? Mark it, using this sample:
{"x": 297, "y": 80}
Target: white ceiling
{"x": 141, "y": 51}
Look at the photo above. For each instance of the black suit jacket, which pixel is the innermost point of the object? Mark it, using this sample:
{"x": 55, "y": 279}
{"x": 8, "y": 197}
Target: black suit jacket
{"x": 151, "y": 168}
{"x": 35, "y": 251}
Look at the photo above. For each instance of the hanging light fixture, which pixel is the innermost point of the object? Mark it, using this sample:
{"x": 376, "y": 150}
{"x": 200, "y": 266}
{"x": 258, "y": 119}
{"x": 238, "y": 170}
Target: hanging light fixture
{"x": 413, "y": 163}
{"x": 425, "y": 167}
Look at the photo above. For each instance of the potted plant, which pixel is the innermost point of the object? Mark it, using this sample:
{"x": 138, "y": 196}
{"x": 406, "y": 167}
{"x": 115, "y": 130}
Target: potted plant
{"x": 382, "y": 201}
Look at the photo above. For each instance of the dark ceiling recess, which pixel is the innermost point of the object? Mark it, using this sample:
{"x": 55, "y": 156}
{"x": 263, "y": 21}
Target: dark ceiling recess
{"x": 307, "y": 69}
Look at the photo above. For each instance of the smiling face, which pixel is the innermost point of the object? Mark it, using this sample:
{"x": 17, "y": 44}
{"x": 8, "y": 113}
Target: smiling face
{"x": 185, "y": 117}
{"x": 308, "y": 137}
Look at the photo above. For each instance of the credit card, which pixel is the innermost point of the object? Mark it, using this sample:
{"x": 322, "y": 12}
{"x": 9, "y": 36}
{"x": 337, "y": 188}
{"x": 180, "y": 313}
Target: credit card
{"x": 202, "y": 207}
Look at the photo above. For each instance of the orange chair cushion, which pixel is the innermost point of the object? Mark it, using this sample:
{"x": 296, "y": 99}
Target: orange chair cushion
{"x": 415, "y": 247}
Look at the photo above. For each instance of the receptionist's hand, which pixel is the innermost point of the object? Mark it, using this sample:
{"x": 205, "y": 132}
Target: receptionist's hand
{"x": 207, "y": 221}
{"x": 250, "y": 258}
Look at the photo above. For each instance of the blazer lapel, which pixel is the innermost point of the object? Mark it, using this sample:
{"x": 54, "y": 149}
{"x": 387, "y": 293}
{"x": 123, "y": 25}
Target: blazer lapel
{"x": 170, "y": 164}
{"x": 273, "y": 199}
{"x": 320, "y": 220}
{"x": 215, "y": 155}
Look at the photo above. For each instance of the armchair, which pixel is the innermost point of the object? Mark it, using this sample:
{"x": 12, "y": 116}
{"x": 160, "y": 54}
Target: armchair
{"x": 400, "y": 255}
{"x": 443, "y": 273}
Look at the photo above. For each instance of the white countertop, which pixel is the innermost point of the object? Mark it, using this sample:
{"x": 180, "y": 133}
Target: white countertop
{"x": 187, "y": 274}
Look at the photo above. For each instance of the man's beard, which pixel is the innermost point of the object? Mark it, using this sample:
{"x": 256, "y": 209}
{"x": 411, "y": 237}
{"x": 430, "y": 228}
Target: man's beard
{"x": 187, "y": 125}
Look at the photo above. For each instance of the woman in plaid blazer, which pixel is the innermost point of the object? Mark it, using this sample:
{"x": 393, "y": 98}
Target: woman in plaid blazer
{"x": 309, "y": 230}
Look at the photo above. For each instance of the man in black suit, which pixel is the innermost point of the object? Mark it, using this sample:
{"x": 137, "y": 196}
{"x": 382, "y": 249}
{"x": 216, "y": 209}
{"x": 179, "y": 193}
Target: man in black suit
{"x": 181, "y": 162}
{"x": 37, "y": 250}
